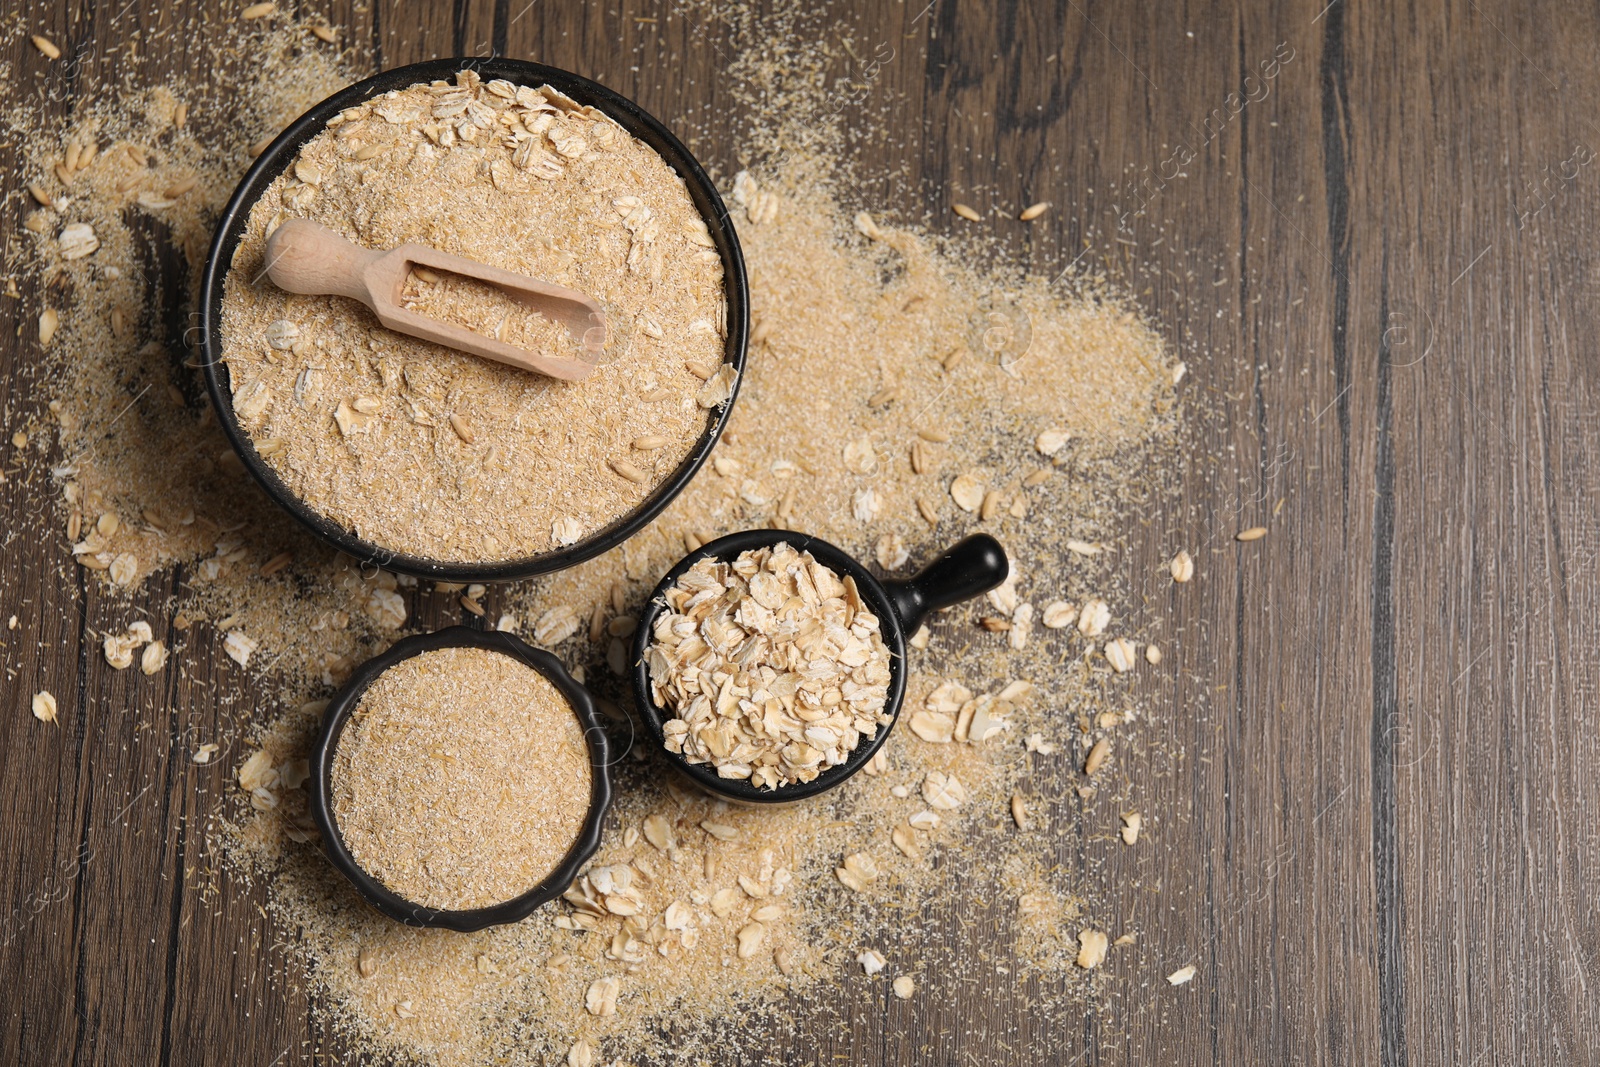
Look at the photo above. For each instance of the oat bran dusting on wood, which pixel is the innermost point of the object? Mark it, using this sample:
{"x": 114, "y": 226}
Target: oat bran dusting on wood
{"x": 462, "y": 778}
{"x": 432, "y": 452}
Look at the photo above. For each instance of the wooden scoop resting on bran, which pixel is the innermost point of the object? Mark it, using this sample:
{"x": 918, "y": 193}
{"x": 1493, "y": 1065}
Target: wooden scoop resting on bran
{"x": 303, "y": 257}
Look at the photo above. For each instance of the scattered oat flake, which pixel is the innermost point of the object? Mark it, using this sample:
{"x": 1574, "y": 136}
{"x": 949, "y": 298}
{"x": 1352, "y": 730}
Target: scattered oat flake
{"x": 933, "y": 726}
{"x": 204, "y": 753}
{"x": 1097, "y": 756}
{"x": 124, "y": 569}
{"x": 556, "y": 625}
{"x": 1182, "y": 566}
{"x": 720, "y": 831}
{"x": 46, "y": 46}
{"x": 1058, "y": 615}
{"x": 1254, "y": 533}
{"x": 1019, "y": 812}
{"x": 872, "y": 961}
{"x": 257, "y": 772}
{"x": 967, "y": 492}
{"x": 601, "y": 997}
{"x": 44, "y": 706}
{"x": 566, "y": 531}
{"x": 1121, "y": 654}
{"x": 1092, "y": 945}
{"x": 1181, "y": 975}
{"x": 77, "y": 240}
{"x": 49, "y": 323}
{"x": 943, "y": 791}
{"x": 154, "y": 658}
{"x": 749, "y": 938}
{"x": 1083, "y": 548}
{"x": 1131, "y": 823}
{"x": 258, "y": 11}
{"x": 581, "y": 1054}
{"x": 239, "y": 646}
{"x": 1050, "y": 442}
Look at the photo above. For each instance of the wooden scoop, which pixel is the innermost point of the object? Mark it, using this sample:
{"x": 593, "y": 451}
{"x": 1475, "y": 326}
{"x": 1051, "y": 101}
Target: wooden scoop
{"x": 303, "y": 257}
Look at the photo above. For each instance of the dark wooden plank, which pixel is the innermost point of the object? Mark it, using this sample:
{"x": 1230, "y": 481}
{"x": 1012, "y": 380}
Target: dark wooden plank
{"x": 1371, "y": 819}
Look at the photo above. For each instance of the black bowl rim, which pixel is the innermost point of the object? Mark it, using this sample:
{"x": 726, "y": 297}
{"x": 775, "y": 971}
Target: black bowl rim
{"x": 337, "y": 717}
{"x": 278, "y": 155}
{"x": 890, "y": 625}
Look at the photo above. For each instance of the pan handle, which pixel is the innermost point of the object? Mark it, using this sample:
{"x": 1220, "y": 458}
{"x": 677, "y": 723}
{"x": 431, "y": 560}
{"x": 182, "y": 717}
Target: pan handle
{"x": 966, "y": 569}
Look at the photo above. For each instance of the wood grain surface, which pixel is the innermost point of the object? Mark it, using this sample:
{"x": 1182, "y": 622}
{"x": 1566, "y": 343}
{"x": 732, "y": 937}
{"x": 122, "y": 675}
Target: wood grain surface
{"x": 1377, "y": 784}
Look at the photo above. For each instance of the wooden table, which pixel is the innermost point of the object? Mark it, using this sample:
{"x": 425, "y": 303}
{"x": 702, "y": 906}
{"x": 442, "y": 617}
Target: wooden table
{"x": 1364, "y": 226}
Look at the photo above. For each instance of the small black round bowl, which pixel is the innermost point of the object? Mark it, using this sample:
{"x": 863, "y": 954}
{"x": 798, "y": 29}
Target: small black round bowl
{"x": 281, "y": 153}
{"x": 964, "y": 570}
{"x": 321, "y": 782}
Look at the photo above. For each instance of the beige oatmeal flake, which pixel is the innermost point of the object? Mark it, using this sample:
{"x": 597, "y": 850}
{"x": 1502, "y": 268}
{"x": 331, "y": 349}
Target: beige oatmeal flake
{"x": 1092, "y": 945}
{"x": 967, "y": 492}
{"x": 1094, "y": 618}
{"x": 943, "y": 791}
{"x": 44, "y": 706}
{"x": 1182, "y": 566}
{"x": 1122, "y": 654}
{"x": 601, "y": 996}
{"x": 1058, "y": 615}
{"x": 858, "y": 872}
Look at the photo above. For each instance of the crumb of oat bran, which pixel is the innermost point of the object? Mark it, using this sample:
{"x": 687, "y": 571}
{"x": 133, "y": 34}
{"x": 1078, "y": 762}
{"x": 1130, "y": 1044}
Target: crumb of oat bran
{"x": 435, "y": 453}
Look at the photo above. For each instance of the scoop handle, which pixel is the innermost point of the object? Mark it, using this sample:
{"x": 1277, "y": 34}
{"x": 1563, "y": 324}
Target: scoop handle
{"x": 303, "y": 257}
{"x": 966, "y": 569}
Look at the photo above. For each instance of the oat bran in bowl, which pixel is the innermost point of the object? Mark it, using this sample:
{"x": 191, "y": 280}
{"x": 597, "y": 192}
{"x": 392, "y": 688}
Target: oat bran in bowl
{"x": 440, "y": 464}
{"x": 460, "y": 779}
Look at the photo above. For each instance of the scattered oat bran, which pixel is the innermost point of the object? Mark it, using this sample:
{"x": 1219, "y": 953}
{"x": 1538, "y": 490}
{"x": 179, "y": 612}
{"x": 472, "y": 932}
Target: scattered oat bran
{"x": 461, "y": 779}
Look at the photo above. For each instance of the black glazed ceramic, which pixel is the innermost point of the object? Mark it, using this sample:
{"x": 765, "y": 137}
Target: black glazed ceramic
{"x": 281, "y": 153}
{"x": 964, "y": 570}
{"x": 338, "y": 715}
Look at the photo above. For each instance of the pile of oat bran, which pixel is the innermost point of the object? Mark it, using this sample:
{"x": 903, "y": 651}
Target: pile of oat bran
{"x": 442, "y": 455}
{"x": 877, "y": 414}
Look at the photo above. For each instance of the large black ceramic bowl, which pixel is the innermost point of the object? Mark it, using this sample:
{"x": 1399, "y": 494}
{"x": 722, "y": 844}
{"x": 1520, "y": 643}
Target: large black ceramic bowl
{"x": 963, "y": 571}
{"x": 282, "y": 152}
{"x": 337, "y": 717}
